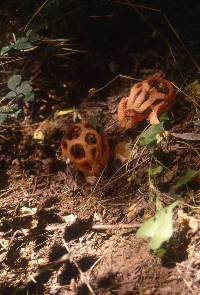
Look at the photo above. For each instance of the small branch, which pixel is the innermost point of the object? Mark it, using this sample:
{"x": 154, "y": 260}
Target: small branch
{"x": 35, "y": 13}
{"x": 113, "y": 80}
{"x": 97, "y": 226}
{"x": 115, "y": 226}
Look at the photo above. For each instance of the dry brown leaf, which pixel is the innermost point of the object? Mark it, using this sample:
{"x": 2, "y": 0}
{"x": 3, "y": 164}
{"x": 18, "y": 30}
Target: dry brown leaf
{"x": 190, "y": 221}
{"x": 187, "y": 136}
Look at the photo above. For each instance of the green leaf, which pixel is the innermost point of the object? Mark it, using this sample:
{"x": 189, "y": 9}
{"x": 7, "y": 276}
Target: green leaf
{"x": 185, "y": 178}
{"x": 6, "y": 49}
{"x": 25, "y": 88}
{"x": 158, "y": 228}
{"x": 5, "y": 109}
{"x": 30, "y": 96}
{"x": 14, "y": 81}
{"x": 3, "y": 117}
{"x": 28, "y": 33}
{"x": 16, "y": 114}
{"x": 32, "y": 36}
{"x": 10, "y": 94}
{"x": 164, "y": 117}
{"x": 22, "y": 43}
{"x": 155, "y": 170}
{"x": 8, "y": 109}
{"x": 149, "y": 136}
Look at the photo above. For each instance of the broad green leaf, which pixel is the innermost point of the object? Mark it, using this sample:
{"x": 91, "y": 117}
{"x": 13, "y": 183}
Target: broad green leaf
{"x": 158, "y": 228}
{"x": 30, "y": 96}
{"x": 32, "y": 36}
{"x": 28, "y": 33}
{"x": 149, "y": 136}
{"x": 22, "y": 43}
{"x": 16, "y": 114}
{"x": 6, "y": 49}
{"x": 9, "y": 109}
{"x": 185, "y": 178}
{"x": 25, "y": 88}
{"x": 155, "y": 170}
{"x": 3, "y": 117}
{"x": 164, "y": 117}
{"x": 5, "y": 109}
{"x": 14, "y": 81}
{"x": 10, "y": 94}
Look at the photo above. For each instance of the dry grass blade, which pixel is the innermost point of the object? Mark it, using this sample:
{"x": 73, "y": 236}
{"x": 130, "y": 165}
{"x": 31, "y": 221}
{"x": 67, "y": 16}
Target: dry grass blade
{"x": 187, "y": 136}
{"x": 35, "y": 13}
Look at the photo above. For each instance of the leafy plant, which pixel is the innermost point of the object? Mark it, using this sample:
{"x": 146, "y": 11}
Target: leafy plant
{"x": 158, "y": 228}
{"x": 185, "y": 178}
{"x": 20, "y": 92}
{"x": 19, "y": 89}
{"x": 21, "y": 43}
{"x": 149, "y": 137}
{"x": 164, "y": 117}
{"x": 153, "y": 171}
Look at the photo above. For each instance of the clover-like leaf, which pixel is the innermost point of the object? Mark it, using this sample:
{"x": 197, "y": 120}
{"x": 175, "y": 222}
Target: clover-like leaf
{"x": 149, "y": 136}
{"x": 30, "y": 96}
{"x": 25, "y": 88}
{"x": 158, "y": 228}
{"x": 14, "y": 81}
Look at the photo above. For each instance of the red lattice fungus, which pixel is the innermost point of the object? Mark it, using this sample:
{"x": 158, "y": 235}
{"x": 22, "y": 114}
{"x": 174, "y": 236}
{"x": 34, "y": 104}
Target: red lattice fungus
{"x": 86, "y": 148}
{"x": 146, "y": 101}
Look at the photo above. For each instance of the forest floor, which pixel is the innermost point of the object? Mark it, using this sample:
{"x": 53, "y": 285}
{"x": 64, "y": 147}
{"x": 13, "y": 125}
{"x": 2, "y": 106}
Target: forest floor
{"x": 64, "y": 233}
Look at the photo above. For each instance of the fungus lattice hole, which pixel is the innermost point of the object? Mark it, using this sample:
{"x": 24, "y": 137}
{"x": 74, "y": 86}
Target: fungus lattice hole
{"x": 87, "y": 166}
{"x": 64, "y": 144}
{"x": 161, "y": 87}
{"x": 130, "y": 113}
{"x": 90, "y": 138}
{"x": 77, "y": 151}
{"x": 158, "y": 101}
{"x": 94, "y": 152}
{"x": 87, "y": 125}
{"x": 139, "y": 93}
{"x": 74, "y": 133}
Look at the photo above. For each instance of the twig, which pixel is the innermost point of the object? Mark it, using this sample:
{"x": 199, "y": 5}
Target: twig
{"x": 96, "y": 226}
{"x": 113, "y": 80}
{"x": 35, "y": 13}
{"x": 115, "y": 226}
